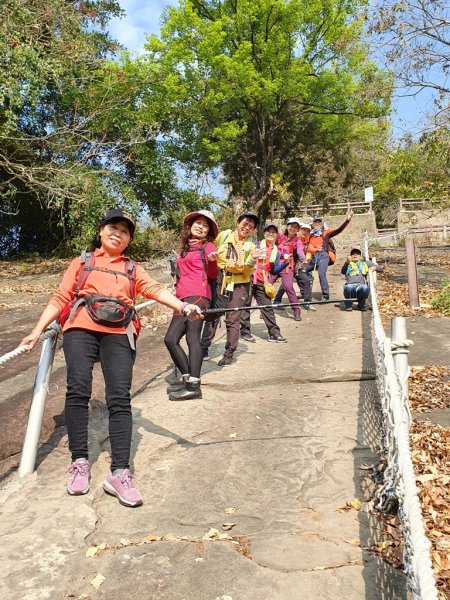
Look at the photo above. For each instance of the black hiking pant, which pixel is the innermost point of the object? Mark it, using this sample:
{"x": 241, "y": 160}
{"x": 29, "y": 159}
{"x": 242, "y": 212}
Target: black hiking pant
{"x": 178, "y": 328}
{"x": 81, "y": 348}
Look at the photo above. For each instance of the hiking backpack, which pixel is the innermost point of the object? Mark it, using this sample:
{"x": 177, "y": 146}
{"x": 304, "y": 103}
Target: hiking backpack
{"x": 331, "y": 249}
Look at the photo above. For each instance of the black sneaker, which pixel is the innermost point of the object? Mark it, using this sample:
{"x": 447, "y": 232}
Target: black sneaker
{"x": 325, "y": 297}
{"x": 225, "y": 360}
{"x": 248, "y": 338}
{"x": 205, "y": 354}
{"x": 277, "y": 338}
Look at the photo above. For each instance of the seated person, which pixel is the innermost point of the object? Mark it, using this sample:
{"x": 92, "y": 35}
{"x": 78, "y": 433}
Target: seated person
{"x": 355, "y": 270}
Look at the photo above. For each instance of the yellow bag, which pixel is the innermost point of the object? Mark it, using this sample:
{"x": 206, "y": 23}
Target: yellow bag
{"x": 269, "y": 288}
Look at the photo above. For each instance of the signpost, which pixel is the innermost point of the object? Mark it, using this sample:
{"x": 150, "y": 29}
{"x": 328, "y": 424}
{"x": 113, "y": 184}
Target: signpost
{"x": 368, "y": 197}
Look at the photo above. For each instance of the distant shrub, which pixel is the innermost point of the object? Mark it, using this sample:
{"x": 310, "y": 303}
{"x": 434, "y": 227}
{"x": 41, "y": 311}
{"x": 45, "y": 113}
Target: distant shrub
{"x": 442, "y": 300}
{"x": 153, "y": 242}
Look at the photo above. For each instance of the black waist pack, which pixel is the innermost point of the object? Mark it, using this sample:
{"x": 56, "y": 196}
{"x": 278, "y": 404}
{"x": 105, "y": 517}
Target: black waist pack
{"x": 109, "y": 311}
{"x": 104, "y": 310}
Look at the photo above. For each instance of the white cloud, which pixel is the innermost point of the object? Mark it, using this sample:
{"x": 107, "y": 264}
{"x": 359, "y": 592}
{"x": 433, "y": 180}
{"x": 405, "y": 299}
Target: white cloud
{"x": 142, "y": 18}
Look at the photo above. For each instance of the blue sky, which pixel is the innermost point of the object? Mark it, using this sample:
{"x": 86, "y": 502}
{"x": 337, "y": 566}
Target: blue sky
{"x": 143, "y": 18}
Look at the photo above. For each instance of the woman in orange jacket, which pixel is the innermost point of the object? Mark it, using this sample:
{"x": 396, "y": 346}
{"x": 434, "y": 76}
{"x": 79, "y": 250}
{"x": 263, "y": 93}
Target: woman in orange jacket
{"x": 97, "y": 325}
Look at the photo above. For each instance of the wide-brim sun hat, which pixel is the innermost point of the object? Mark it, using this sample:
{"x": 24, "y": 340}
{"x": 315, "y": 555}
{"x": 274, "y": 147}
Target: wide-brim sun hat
{"x": 117, "y": 214}
{"x": 270, "y": 224}
{"x": 207, "y": 214}
{"x": 305, "y": 226}
{"x": 249, "y": 215}
{"x": 294, "y": 221}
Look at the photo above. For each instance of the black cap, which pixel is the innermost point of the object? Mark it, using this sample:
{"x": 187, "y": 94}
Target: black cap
{"x": 249, "y": 215}
{"x": 116, "y": 214}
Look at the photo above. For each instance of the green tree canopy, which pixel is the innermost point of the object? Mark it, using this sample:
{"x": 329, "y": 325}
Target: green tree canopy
{"x": 73, "y": 140}
{"x": 242, "y": 85}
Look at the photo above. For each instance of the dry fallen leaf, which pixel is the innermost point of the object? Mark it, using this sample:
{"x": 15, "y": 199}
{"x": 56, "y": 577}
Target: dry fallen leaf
{"x": 98, "y": 580}
{"x": 354, "y": 542}
{"x": 151, "y": 537}
{"x": 356, "y": 504}
{"x": 429, "y": 388}
{"x": 214, "y": 534}
{"x": 92, "y": 551}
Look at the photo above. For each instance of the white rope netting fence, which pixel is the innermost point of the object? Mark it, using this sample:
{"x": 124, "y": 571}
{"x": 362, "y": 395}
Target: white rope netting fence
{"x": 398, "y": 492}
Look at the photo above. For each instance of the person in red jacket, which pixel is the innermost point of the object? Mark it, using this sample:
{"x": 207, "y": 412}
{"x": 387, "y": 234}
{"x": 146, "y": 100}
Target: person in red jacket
{"x": 317, "y": 250}
{"x": 85, "y": 339}
{"x": 291, "y": 250}
{"x": 196, "y": 266}
{"x": 302, "y": 277}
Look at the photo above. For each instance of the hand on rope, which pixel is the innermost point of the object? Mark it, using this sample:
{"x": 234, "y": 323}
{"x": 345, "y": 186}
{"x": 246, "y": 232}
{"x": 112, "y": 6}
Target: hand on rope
{"x": 193, "y": 312}
{"x": 47, "y": 323}
{"x": 26, "y": 344}
{"x": 34, "y": 337}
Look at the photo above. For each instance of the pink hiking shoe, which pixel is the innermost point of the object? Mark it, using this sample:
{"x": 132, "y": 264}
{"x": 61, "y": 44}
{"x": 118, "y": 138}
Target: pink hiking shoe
{"x": 80, "y": 474}
{"x": 122, "y": 486}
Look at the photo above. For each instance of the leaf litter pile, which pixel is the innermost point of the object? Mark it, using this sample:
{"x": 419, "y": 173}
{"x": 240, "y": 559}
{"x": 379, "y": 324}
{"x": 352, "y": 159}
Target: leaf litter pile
{"x": 429, "y": 390}
{"x": 393, "y": 296}
{"x": 430, "y": 445}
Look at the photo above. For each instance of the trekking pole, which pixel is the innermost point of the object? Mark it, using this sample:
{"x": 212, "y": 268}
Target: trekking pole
{"x": 212, "y": 311}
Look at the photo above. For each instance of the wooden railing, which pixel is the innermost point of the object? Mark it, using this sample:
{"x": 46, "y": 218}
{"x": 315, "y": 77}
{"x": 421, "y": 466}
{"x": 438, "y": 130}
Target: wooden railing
{"x": 329, "y": 209}
{"x": 428, "y": 230}
{"x": 444, "y": 229}
{"x": 418, "y": 203}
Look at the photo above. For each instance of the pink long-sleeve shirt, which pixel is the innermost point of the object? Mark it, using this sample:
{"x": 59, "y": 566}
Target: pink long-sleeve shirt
{"x": 193, "y": 281}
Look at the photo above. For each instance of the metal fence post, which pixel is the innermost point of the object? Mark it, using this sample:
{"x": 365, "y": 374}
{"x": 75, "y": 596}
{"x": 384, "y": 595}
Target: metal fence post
{"x": 40, "y": 391}
{"x": 400, "y": 351}
{"x": 411, "y": 270}
{"x": 366, "y": 245}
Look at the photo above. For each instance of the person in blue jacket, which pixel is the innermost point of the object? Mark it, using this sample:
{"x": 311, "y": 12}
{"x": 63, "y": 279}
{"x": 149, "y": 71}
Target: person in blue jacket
{"x": 267, "y": 268}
